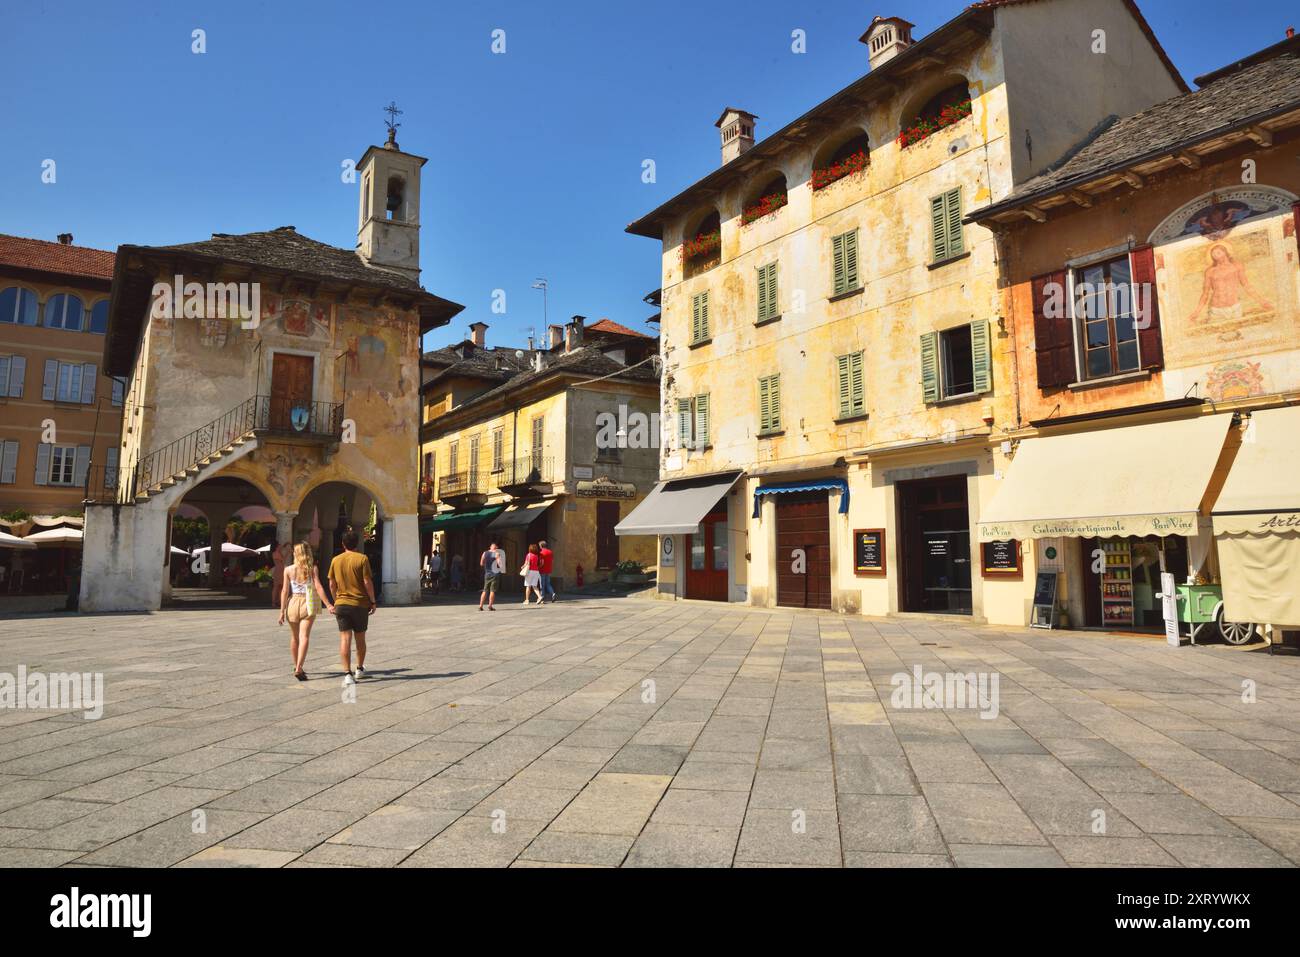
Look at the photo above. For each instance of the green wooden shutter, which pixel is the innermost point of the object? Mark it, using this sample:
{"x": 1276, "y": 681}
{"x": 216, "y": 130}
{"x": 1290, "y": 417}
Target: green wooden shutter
{"x": 851, "y": 260}
{"x": 697, "y": 321}
{"x": 930, "y": 367}
{"x": 956, "y": 245}
{"x": 762, "y": 293}
{"x": 702, "y": 420}
{"x": 939, "y": 228}
{"x": 704, "y": 314}
{"x": 981, "y": 349}
{"x": 774, "y": 401}
{"x": 857, "y": 392}
{"x": 842, "y": 374}
{"x": 840, "y": 282}
{"x": 773, "y": 306}
{"x": 684, "y": 423}
{"x": 764, "y": 405}
{"x": 767, "y": 308}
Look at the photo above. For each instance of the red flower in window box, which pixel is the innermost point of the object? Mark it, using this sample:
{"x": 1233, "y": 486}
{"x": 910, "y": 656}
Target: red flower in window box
{"x": 764, "y": 207}
{"x": 921, "y": 129}
{"x": 856, "y": 163}
{"x": 701, "y": 245}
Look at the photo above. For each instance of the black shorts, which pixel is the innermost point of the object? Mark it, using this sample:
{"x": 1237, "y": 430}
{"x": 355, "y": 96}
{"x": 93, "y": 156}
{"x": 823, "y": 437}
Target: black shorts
{"x": 352, "y": 617}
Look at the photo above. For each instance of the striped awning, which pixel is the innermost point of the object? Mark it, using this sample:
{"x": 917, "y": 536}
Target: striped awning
{"x": 812, "y": 485}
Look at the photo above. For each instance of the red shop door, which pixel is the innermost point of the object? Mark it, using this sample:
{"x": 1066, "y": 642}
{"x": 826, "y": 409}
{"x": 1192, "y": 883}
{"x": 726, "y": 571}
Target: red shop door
{"x": 707, "y": 559}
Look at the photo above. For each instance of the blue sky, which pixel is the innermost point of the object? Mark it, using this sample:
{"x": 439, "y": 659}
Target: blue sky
{"x": 535, "y": 155}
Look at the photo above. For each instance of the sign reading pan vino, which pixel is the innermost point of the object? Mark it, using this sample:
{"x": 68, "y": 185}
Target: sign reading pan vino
{"x": 869, "y": 551}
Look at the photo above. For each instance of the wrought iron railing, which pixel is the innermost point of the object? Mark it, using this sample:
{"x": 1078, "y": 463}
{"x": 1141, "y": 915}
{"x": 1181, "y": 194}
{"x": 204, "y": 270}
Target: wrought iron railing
{"x": 454, "y": 484}
{"x": 258, "y": 414}
{"x": 525, "y": 470}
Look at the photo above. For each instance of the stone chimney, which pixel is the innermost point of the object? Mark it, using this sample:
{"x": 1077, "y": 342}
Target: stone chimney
{"x": 65, "y": 239}
{"x": 478, "y": 334}
{"x": 737, "y": 128}
{"x": 886, "y": 38}
{"x": 554, "y": 336}
{"x": 573, "y": 334}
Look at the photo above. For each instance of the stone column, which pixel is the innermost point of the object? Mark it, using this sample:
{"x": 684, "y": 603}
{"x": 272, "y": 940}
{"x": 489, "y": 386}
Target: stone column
{"x": 401, "y": 560}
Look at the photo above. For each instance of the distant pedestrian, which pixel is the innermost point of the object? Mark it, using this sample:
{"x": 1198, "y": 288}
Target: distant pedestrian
{"x": 354, "y": 603}
{"x": 493, "y": 563}
{"x": 547, "y": 564}
{"x": 531, "y": 570}
{"x": 435, "y": 569}
{"x": 458, "y": 572}
{"x": 300, "y": 603}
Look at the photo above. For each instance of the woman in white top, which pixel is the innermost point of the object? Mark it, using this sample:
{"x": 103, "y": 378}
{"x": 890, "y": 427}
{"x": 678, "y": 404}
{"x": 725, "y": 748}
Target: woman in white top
{"x": 298, "y": 604}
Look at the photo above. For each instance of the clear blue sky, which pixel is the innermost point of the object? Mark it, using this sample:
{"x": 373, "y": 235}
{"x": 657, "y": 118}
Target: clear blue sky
{"x": 534, "y": 155}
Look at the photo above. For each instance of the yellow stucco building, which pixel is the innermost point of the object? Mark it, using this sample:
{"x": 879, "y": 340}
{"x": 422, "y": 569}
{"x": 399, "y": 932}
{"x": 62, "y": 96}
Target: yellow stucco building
{"x": 838, "y": 371}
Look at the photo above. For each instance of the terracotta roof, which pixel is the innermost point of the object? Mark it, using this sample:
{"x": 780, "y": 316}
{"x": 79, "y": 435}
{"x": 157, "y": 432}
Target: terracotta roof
{"x": 42, "y": 256}
{"x": 1239, "y": 99}
{"x": 614, "y": 328}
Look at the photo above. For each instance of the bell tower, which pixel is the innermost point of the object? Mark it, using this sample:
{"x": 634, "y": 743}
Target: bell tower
{"x": 388, "y": 223}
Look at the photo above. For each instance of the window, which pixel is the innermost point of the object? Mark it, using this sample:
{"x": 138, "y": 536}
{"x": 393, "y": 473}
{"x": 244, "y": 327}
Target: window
{"x": 99, "y": 317}
{"x": 702, "y": 245}
{"x": 844, "y": 255}
{"x": 8, "y": 462}
{"x": 771, "y": 196}
{"x": 838, "y": 158}
{"x": 945, "y": 225}
{"x": 68, "y": 382}
{"x": 539, "y": 436}
{"x": 64, "y": 311}
{"x": 954, "y": 96}
{"x": 769, "y": 404}
{"x": 700, "y": 317}
{"x": 119, "y": 391}
{"x": 473, "y": 455}
{"x": 110, "y": 466}
{"x": 693, "y": 422}
{"x": 13, "y": 370}
{"x": 767, "y": 308}
{"x": 453, "y": 457}
{"x": 956, "y": 362}
{"x": 498, "y": 444}
{"x": 851, "y": 391}
{"x": 18, "y": 305}
{"x": 1103, "y": 309}
{"x": 428, "y": 466}
{"x": 61, "y": 464}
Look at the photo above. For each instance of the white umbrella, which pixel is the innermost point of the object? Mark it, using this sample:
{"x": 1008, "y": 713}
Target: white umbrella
{"x": 179, "y": 551}
{"x": 56, "y": 536}
{"x": 263, "y": 549}
{"x": 227, "y": 548}
{"x": 13, "y": 541}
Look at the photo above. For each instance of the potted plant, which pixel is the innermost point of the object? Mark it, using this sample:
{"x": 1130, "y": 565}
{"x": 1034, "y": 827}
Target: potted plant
{"x": 630, "y": 572}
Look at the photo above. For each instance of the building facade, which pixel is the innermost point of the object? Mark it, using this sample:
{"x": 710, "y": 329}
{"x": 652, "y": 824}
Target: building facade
{"x": 837, "y": 367}
{"x": 59, "y": 411}
{"x": 1153, "y": 286}
{"x": 556, "y": 442}
{"x": 270, "y": 369}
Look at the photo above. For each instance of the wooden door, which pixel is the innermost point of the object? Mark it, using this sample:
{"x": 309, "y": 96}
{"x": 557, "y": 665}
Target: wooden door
{"x": 606, "y": 541}
{"x": 291, "y": 381}
{"x": 803, "y": 526}
{"x": 707, "y": 558}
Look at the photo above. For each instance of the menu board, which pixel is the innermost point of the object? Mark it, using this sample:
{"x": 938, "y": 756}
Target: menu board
{"x": 1044, "y": 613}
{"x": 1001, "y": 558}
{"x": 869, "y": 551}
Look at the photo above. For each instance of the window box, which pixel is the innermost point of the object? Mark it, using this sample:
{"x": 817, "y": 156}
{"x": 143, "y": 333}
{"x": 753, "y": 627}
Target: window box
{"x": 764, "y": 207}
{"x": 922, "y": 129}
{"x": 854, "y": 163}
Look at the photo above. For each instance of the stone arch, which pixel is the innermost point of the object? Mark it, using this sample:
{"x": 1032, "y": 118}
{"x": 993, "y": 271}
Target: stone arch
{"x": 932, "y": 96}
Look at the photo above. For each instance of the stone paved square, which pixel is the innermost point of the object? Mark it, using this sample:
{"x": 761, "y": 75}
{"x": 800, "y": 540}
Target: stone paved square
{"x": 632, "y": 732}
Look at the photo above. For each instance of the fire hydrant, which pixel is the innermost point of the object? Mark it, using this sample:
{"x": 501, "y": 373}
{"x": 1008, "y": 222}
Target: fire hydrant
{"x": 579, "y": 576}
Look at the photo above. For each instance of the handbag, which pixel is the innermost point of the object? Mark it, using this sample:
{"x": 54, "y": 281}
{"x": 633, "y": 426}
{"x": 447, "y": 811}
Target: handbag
{"x": 312, "y": 599}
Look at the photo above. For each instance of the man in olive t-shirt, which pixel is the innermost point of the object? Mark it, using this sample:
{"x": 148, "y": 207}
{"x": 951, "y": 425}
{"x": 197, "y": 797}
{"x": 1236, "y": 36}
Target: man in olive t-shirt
{"x": 354, "y": 603}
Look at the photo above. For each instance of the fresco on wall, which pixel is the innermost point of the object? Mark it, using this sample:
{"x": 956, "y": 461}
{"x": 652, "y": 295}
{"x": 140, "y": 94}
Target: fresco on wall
{"x": 1226, "y": 273}
{"x": 294, "y": 317}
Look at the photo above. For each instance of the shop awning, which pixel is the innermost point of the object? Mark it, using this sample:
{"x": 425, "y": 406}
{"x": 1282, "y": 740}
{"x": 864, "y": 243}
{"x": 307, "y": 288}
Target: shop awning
{"x": 1257, "y": 522}
{"x": 451, "y": 521}
{"x": 1137, "y": 480}
{"x": 812, "y": 485}
{"x": 517, "y": 516}
{"x": 677, "y": 507}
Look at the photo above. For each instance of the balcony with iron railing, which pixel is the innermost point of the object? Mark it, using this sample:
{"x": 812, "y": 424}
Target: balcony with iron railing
{"x": 464, "y": 489}
{"x": 526, "y": 476}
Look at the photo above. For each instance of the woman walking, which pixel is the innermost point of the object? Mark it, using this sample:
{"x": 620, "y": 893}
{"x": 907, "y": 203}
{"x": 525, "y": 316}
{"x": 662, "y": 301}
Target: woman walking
{"x": 532, "y": 574}
{"x": 299, "y": 603}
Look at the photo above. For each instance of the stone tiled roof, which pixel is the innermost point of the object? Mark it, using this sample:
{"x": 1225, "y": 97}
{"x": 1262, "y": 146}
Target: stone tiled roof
{"x": 43, "y": 256}
{"x": 1236, "y": 100}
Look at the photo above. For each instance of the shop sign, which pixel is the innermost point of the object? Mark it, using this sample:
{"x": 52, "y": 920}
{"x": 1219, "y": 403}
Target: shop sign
{"x": 1137, "y": 526}
{"x": 869, "y": 551}
{"x": 1001, "y": 557}
{"x": 667, "y": 555}
{"x": 1044, "y": 613}
{"x": 605, "y": 487}
{"x": 582, "y": 472}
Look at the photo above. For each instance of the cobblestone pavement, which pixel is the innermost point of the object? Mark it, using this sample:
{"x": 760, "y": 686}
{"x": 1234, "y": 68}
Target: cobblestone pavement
{"x": 534, "y": 737}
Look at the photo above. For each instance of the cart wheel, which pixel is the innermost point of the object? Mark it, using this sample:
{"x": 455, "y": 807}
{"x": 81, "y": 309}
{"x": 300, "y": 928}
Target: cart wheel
{"x": 1233, "y": 632}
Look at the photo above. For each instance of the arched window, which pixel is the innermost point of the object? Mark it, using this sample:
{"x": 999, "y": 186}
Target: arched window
{"x": 99, "y": 317}
{"x": 948, "y": 106}
{"x": 768, "y": 198}
{"x": 396, "y": 203}
{"x": 702, "y": 247}
{"x": 840, "y": 157}
{"x": 18, "y": 305}
{"x": 64, "y": 311}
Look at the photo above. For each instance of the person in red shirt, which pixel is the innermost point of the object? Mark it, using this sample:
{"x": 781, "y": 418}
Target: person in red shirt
{"x": 547, "y": 563}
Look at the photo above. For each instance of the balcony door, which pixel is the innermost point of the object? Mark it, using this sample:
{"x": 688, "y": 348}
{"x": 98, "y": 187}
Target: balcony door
{"x": 291, "y": 381}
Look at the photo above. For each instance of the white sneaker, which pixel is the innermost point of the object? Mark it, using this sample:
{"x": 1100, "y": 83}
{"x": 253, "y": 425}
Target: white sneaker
{"x": 349, "y": 680}
{"x": 361, "y": 672}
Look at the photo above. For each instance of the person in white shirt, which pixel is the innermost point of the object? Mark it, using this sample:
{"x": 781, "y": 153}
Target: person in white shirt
{"x": 435, "y": 569}
{"x": 493, "y": 563}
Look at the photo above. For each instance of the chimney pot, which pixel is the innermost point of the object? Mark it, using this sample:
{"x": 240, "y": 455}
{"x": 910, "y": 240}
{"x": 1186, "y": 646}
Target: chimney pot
{"x": 554, "y": 336}
{"x": 885, "y": 38}
{"x": 478, "y": 334}
{"x": 573, "y": 334}
{"x": 737, "y": 131}
{"x": 65, "y": 239}
{"x": 1290, "y": 32}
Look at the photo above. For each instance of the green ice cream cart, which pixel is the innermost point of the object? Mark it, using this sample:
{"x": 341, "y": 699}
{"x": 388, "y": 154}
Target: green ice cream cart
{"x": 1202, "y": 605}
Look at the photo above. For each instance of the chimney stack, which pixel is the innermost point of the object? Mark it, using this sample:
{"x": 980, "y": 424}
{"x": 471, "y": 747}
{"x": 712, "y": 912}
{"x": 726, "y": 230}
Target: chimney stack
{"x": 478, "y": 334}
{"x": 554, "y": 336}
{"x": 65, "y": 239}
{"x": 886, "y": 38}
{"x": 573, "y": 334}
{"x": 737, "y": 128}
{"x": 1290, "y": 32}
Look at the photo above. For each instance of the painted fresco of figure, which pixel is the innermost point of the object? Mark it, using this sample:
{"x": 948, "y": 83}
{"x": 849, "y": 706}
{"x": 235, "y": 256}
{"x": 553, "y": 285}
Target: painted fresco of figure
{"x": 1225, "y": 288}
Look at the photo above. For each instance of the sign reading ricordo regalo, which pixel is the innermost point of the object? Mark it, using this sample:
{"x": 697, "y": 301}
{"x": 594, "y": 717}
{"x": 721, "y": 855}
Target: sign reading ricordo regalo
{"x": 1178, "y": 523}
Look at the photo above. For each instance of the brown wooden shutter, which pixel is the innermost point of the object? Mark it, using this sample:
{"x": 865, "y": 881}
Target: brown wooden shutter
{"x": 1150, "y": 342}
{"x": 1053, "y": 338}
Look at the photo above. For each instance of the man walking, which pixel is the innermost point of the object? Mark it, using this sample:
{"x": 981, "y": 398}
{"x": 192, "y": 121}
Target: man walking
{"x": 354, "y": 602}
{"x": 493, "y": 563}
{"x": 547, "y": 563}
{"x": 435, "y": 569}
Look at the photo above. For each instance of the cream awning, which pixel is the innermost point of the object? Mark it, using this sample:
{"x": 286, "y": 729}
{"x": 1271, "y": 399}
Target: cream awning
{"x": 676, "y": 507}
{"x": 1136, "y": 480}
{"x": 1257, "y": 522}
{"x": 519, "y": 516}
